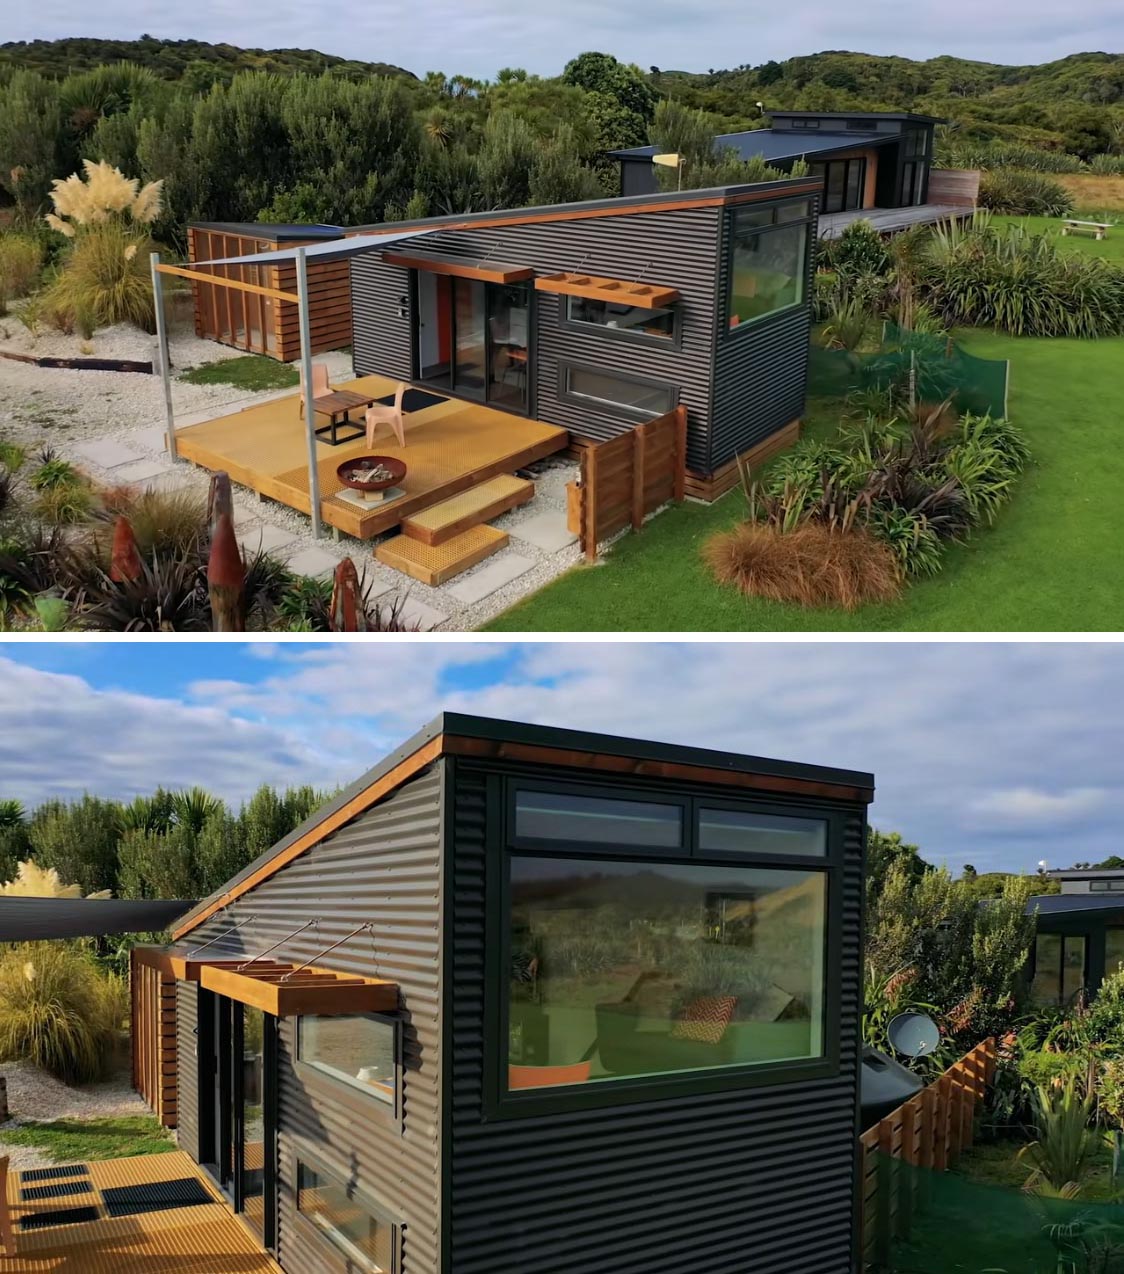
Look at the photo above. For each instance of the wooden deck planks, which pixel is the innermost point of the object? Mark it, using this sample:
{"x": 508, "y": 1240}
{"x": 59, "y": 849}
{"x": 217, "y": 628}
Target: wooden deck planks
{"x": 450, "y": 447}
{"x": 886, "y": 220}
{"x": 200, "y": 1239}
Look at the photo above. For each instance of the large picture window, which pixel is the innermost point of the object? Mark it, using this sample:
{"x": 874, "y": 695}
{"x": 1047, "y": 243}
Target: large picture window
{"x": 359, "y": 1049}
{"x": 621, "y": 970}
{"x": 767, "y": 265}
{"x": 345, "y": 1220}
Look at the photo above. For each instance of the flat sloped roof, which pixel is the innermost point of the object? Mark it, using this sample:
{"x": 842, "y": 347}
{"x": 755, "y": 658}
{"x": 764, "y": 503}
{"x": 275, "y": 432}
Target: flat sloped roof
{"x": 1068, "y": 904}
{"x": 775, "y": 144}
{"x": 275, "y": 232}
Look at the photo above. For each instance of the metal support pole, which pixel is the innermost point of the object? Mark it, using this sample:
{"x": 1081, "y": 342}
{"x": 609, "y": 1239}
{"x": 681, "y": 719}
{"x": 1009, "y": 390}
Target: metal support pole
{"x": 165, "y": 360}
{"x": 306, "y": 382}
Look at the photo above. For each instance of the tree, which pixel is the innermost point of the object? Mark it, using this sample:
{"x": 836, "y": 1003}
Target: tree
{"x": 505, "y": 161}
{"x": 622, "y": 102}
{"x": 31, "y": 141}
{"x": 79, "y": 840}
{"x": 558, "y": 174}
{"x": 15, "y": 845}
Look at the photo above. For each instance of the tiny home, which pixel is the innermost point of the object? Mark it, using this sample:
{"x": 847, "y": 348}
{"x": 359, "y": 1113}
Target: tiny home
{"x": 600, "y": 315}
{"x": 525, "y": 999}
{"x": 260, "y": 324}
{"x": 1079, "y": 937}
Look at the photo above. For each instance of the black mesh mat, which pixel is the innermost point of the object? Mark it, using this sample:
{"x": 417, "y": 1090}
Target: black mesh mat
{"x": 413, "y": 400}
{"x": 55, "y": 1189}
{"x": 64, "y": 1170}
{"x": 157, "y": 1196}
{"x": 64, "y": 1216}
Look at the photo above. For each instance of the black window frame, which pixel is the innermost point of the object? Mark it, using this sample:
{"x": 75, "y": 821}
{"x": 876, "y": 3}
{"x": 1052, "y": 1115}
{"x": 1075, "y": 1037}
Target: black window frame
{"x": 1106, "y": 886}
{"x": 630, "y": 335}
{"x": 622, "y": 410}
{"x": 502, "y": 1103}
{"x": 804, "y": 123}
{"x": 301, "y": 1154}
{"x": 736, "y": 331}
{"x": 1063, "y": 936}
{"x": 337, "y": 1087}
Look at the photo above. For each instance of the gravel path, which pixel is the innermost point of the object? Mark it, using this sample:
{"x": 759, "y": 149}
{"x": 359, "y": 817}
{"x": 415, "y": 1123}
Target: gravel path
{"x": 72, "y": 409}
{"x": 33, "y": 1095}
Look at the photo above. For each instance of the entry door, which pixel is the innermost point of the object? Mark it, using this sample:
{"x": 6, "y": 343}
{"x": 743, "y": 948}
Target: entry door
{"x": 470, "y": 328}
{"x": 911, "y": 184}
{"x": 238, "y": 1086}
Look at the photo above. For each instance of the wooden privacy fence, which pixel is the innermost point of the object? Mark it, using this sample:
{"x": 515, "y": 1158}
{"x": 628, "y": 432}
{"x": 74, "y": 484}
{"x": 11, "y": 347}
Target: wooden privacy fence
{"x": 954, "y": 187}
{"x": 153, "y": 994}
{"x": 628, "y": 478}
{"x": 928, "y": 1132}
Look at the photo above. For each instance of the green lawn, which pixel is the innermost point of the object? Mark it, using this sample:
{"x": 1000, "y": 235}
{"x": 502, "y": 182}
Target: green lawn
{"x": 1111, "y": 248}
{"x": 250, "y": 372}
{"x": 77, "y": 1140}
{"x": 1053, "y": 561}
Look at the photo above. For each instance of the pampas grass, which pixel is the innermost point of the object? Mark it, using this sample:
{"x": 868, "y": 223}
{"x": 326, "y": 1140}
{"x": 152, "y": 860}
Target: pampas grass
{"x": 809, "y": 565}
{"x": 104, "y": 280}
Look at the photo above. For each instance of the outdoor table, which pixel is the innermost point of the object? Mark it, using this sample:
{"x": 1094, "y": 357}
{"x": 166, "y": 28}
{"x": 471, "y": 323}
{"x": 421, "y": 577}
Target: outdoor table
{"x": 336, "y": 406}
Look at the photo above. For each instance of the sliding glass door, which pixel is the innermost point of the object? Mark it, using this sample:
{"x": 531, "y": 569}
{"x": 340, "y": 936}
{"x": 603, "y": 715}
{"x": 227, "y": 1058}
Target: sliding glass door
{"x": 472, "y": 338}
{"x": 844, "y": 184}
{"x": 237, "y": 1078}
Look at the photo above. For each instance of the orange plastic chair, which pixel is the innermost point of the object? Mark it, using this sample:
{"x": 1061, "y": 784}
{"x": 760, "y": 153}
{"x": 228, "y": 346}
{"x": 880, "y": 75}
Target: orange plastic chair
{"x": 320, "y": 383}
{"x": 392, "y": 416}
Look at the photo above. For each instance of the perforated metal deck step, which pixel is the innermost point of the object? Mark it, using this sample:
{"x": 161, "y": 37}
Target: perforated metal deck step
{"x": 434, "y": 564}
{"x": 450, "y": 518}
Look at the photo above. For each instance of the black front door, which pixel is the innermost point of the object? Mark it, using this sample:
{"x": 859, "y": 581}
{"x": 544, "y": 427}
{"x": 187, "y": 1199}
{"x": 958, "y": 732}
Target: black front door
{"x": 238, "y": 1087}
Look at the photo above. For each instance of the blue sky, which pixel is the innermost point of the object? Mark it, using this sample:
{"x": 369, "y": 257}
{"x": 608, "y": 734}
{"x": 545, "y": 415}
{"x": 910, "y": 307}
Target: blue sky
{"x": 999, "y": 754}
{"x": 478, "y": 37}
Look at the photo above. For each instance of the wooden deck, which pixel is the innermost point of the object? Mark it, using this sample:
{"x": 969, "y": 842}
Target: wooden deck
{"x": 200, "y": 1238}
{"x": 450, "y": 446}
{"x": 887, "y": 220}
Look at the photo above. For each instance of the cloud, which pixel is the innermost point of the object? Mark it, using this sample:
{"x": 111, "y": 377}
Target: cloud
{"x": 477, "y": 37}
{"x": 1021, "y": 805}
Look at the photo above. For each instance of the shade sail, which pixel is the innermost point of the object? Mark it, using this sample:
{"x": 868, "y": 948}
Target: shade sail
{"x": 37, "y": 919}
{"x": 333, "y": 250}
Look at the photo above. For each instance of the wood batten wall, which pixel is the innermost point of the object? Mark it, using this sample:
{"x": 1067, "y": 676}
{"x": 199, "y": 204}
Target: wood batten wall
{"x": 153, "y": 994}
{"x": 259, "y": 324}
{"x": 958, "y": 187}
{"x": 727, "y": 476}
{"x": 928, "y": 1132}
{"x": 628, "y": 478}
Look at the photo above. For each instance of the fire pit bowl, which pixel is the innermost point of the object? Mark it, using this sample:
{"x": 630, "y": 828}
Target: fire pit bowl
{"x": 371, "y": 473}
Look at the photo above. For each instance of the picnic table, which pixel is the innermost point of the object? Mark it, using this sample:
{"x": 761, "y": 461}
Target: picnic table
{"x": 1098, "y": 229}
{"x": 337, "y": 406}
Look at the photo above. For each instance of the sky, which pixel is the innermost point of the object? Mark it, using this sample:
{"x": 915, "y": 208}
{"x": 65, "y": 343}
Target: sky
{"x": 478, "y": 37}
{"x": 999, "y": 755}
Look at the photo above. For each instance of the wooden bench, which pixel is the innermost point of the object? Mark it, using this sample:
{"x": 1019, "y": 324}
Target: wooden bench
{"x": 1098, "y": 229}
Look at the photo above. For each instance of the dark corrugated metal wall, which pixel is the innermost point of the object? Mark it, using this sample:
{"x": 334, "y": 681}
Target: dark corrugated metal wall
{"x": 677, "y": 249}
{"x": 384, "y": 867}
{"x": 760, "y": 375}
{"x": 187, "y": 1068}
{"x": 759, "y": 1180}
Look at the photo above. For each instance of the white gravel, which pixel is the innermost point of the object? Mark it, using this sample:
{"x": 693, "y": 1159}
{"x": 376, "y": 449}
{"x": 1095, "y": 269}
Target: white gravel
{"x": 33, "y": 1095}
{"x": 66, "y": 407}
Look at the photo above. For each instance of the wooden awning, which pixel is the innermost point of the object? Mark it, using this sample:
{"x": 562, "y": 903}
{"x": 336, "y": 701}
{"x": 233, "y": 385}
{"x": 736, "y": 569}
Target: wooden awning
{"x": 288, "y": 990}
{"x": 648, "y": 296}
{"x": 487, "y": 271}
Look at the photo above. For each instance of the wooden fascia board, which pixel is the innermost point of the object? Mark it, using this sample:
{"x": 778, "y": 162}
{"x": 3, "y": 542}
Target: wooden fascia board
{"x": 488, "y": 272}
{"x": 319, "y": 992}
{"x": 359, "y": 804}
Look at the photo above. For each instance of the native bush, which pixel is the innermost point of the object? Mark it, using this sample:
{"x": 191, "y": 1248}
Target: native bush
{"x": 58, "y": 1011}
{"x": 859, "y": 250}
{"x": 1064, "y": 1151}
{"x": 21, "y": 259}
{"x": 163, "y": 522}
{"x": 1024, "y": 194}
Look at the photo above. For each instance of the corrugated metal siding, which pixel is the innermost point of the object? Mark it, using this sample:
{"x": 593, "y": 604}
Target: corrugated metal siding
{"x": 760, "y": 1179}
{"x": 761, "y": 375}
{"x": 187, "y": 1068}
{"x": 384, "y": 867}
{"x": 676, "y": 248}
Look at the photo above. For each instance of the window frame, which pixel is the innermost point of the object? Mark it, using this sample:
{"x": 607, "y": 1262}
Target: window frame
{"x": 611, "y": 849}
{"x": 1063, "y": 936}
{"x": 630, "y": 335}
{"x": 588, "y": 401}
{"x": 502, "y": 1103}
{"x": 734, "y": 332}
{"x": 302, "y": 1154}
{"x": 359, "y": 1096}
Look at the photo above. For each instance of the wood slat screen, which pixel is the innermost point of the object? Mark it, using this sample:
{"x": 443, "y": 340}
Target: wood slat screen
{"x": 629, "y": 477}
{"x": 958, "y": 187}
{"x": 153, "y": 996}
{"x": 930, "y": 1131}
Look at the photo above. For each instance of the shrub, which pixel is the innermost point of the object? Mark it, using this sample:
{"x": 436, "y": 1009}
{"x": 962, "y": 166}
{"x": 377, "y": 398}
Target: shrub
{"x": 65, "y": 504}
{"x": 1065, "y": 1149}
{"x": 1107, "y": 165}
{"x": 810, "y": 565}
{"x": 995, "y": 154}
{"x": 169, "y": 595}
{"x": 163, "y": 522}
{"x": 1024, "y": 194}
{"x": 58, "y": 1011}
{"x": 54, "y": 472}
{"x": 104, "y": 280}
{"x": 12, "y": 456}
{"x": 21, "y": 259}
{"x": 859, "y": 250}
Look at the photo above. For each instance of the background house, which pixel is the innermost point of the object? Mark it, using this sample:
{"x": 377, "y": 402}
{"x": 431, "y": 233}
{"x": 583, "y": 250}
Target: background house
{"x": 1080, "y": 934}
{"x": 527, "y": 999}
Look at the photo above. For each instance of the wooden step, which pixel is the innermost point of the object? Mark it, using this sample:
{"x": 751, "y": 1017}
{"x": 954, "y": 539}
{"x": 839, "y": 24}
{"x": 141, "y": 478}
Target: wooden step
{"x": 444, "y": 521}
{"x": 434, "y": 564}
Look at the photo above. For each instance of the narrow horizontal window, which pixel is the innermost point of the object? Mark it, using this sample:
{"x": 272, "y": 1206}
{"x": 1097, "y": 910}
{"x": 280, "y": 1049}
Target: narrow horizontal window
{"x": 357, "y": 1048}
{"x": 560, "y": 816}
{"x": 626, "y": 970}
{"x": 637, "y": 397}
{"x": 631, "y": 320}
{"x": 742, "y": 832}
{"x": 346, "y": 1221}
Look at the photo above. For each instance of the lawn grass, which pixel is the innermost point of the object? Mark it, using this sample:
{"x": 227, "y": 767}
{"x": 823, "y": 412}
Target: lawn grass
{"x": 1054, "y": 560}
{"x": 1111, "y": 248}
{"x": 250, "y": 372}
{"x": 77, "y": 1140}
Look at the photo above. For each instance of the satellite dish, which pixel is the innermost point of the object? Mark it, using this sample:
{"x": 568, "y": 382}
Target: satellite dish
{"x": 913, "y": 1035}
